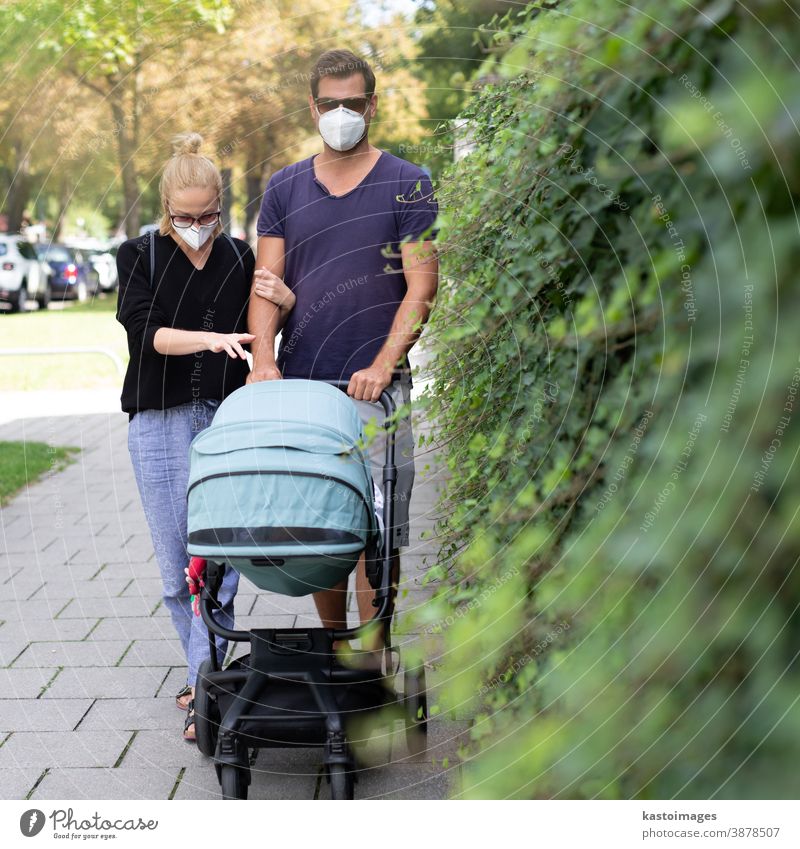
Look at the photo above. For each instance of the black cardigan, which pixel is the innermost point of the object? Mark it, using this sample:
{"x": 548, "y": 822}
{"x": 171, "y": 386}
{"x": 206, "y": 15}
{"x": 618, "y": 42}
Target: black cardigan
{"x": 213, "y": 298}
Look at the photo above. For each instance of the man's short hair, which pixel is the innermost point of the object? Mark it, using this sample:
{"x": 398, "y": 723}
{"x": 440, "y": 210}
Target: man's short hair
{"x": 340, "y": 64}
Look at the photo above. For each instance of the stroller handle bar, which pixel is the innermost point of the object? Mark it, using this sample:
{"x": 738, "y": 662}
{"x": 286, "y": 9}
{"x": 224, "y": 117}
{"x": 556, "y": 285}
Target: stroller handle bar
{"x": 383, "y": 593}
{"x": 386, "y": 400}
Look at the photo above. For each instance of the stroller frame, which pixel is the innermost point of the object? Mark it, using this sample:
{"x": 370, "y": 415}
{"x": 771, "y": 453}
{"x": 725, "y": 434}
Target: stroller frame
{"x": 298, "y": 663}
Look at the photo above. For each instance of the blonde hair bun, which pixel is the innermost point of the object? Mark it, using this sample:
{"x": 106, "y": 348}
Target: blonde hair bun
{"x": 187, "y": 168}
{"x": 187, "y": 143}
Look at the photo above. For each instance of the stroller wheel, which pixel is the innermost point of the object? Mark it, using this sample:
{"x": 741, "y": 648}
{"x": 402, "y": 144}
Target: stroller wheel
{"x": 342, "y": 785}
{"x": 416, "y": 710}
{"x": 206, "y": 713}
{"x": 234, "y": 782}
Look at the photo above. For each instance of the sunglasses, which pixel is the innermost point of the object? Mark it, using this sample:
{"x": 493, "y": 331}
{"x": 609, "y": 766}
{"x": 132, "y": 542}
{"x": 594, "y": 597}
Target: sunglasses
{"x": 355, "y": 104}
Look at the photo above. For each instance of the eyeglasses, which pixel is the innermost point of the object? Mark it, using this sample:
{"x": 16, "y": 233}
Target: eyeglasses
{"x": 204, "y": 220}
{"x": 356, "y": 104}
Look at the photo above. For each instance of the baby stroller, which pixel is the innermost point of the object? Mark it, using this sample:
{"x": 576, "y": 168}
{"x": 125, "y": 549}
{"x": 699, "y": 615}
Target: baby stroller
{"x": 280, "y": 490}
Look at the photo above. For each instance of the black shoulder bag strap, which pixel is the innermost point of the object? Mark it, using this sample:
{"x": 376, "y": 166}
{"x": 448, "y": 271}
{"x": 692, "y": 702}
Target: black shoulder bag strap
{"x": 152, "y": 239}
{"x": 236, "y": 251}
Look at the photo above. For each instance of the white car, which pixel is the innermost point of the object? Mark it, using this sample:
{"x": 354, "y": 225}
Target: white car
{"x": 105, "y": 264}
{"x": 22, "y": 274}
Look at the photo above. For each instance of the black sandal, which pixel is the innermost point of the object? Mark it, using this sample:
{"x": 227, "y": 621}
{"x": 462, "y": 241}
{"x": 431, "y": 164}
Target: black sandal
{"x": 186, "y": 691}
{"x": 189, "y": 723}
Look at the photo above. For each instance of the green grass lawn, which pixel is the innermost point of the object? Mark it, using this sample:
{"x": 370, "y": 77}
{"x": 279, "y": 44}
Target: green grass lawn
{"x": 91, "y": 324}
{"x": 23, "y": 463}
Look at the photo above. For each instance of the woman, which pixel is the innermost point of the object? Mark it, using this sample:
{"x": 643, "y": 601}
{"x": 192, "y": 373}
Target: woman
{"x": 185, "y": 317}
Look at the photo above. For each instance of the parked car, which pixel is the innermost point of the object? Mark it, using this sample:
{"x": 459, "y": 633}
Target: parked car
{"x": 72, "y": 276}
{"x": 23, "y": 274}
{"x": 105, "y": 264}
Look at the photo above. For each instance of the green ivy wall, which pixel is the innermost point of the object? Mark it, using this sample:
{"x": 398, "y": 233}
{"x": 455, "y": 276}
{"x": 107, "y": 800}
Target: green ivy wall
{"x": 615, "y": 381}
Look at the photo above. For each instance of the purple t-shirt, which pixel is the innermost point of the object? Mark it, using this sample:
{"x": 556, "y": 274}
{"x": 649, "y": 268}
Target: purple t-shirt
{"x": 343, "y": 261}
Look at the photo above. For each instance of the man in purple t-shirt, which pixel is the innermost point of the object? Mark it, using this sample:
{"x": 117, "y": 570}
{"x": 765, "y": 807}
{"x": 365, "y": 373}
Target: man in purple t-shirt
{"x": 350, "y": 231}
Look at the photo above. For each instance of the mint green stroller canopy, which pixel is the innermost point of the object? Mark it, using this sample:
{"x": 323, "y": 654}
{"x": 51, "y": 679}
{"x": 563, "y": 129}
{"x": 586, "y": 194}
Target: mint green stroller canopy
{"x": 280, "y": 489}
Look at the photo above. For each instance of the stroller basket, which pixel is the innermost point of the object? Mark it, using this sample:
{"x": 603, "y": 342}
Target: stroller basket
{"x": 280, "y": 489}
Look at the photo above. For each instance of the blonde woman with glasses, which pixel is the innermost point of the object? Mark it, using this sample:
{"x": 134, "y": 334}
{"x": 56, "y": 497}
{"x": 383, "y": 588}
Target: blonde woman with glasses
{"x": 183, "y": 296}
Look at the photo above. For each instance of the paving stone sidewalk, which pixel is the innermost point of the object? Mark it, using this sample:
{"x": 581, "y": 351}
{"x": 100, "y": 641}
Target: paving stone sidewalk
{"x": 89, "y": 662}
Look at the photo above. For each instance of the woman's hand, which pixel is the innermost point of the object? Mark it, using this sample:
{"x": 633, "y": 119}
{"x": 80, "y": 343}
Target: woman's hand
{"x": 231, "y": 343}
{"x": 269, "y": 286}
{"x": 173, "y": 342}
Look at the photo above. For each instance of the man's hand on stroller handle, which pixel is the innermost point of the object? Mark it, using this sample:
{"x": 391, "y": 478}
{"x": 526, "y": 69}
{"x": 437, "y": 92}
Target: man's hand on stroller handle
{"x": 368, "y": 383}
{"x": 268, "y": 372}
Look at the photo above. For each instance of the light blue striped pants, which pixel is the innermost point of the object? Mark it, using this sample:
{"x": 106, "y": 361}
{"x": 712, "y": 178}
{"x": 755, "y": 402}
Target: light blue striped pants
{"x": 158, "y": 441}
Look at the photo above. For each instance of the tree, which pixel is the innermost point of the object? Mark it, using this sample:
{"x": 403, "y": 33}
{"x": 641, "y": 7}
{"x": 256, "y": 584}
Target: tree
{"x": 455, "y": 39}
{"x": 258, "y": 115}
{"x": 107, "y": 46}
{"x": 238, "y": 73}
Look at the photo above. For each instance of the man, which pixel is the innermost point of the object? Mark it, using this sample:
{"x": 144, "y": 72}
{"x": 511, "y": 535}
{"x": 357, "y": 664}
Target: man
{"x": 349, "y": 230}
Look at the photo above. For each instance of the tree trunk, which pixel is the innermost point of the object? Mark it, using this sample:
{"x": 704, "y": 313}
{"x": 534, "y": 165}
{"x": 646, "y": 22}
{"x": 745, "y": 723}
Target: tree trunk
{"x": 227, "y": 198}
{"x": 126, "y": 149}
{"x": 64, "y": 198}
{"x": 20, "y": 188}
{"x": 254, "y": 182}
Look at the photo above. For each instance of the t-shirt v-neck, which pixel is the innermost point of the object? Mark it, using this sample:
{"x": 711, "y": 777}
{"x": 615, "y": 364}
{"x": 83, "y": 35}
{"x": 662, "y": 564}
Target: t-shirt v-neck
{"x": 363, "y": 182}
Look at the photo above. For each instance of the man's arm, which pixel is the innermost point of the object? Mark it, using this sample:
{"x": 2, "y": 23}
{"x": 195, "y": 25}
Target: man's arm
{"x": 263, "y": 316}
{"x": 421, "y": 270}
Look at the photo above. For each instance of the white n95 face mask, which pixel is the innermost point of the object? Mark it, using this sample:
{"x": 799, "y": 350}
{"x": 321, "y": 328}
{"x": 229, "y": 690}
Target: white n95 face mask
{"x": 196, "y": 238}
{"x": 341, "y": 129}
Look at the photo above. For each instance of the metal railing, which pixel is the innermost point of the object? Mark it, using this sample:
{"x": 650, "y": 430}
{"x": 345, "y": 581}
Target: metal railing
{"x": 17, "y": 352}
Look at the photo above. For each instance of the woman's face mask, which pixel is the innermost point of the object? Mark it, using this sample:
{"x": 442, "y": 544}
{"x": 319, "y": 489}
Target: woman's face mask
{"x": 196, "y": 236}
{"x": 341, "y": 129}
{"x": 195, "y": 231}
